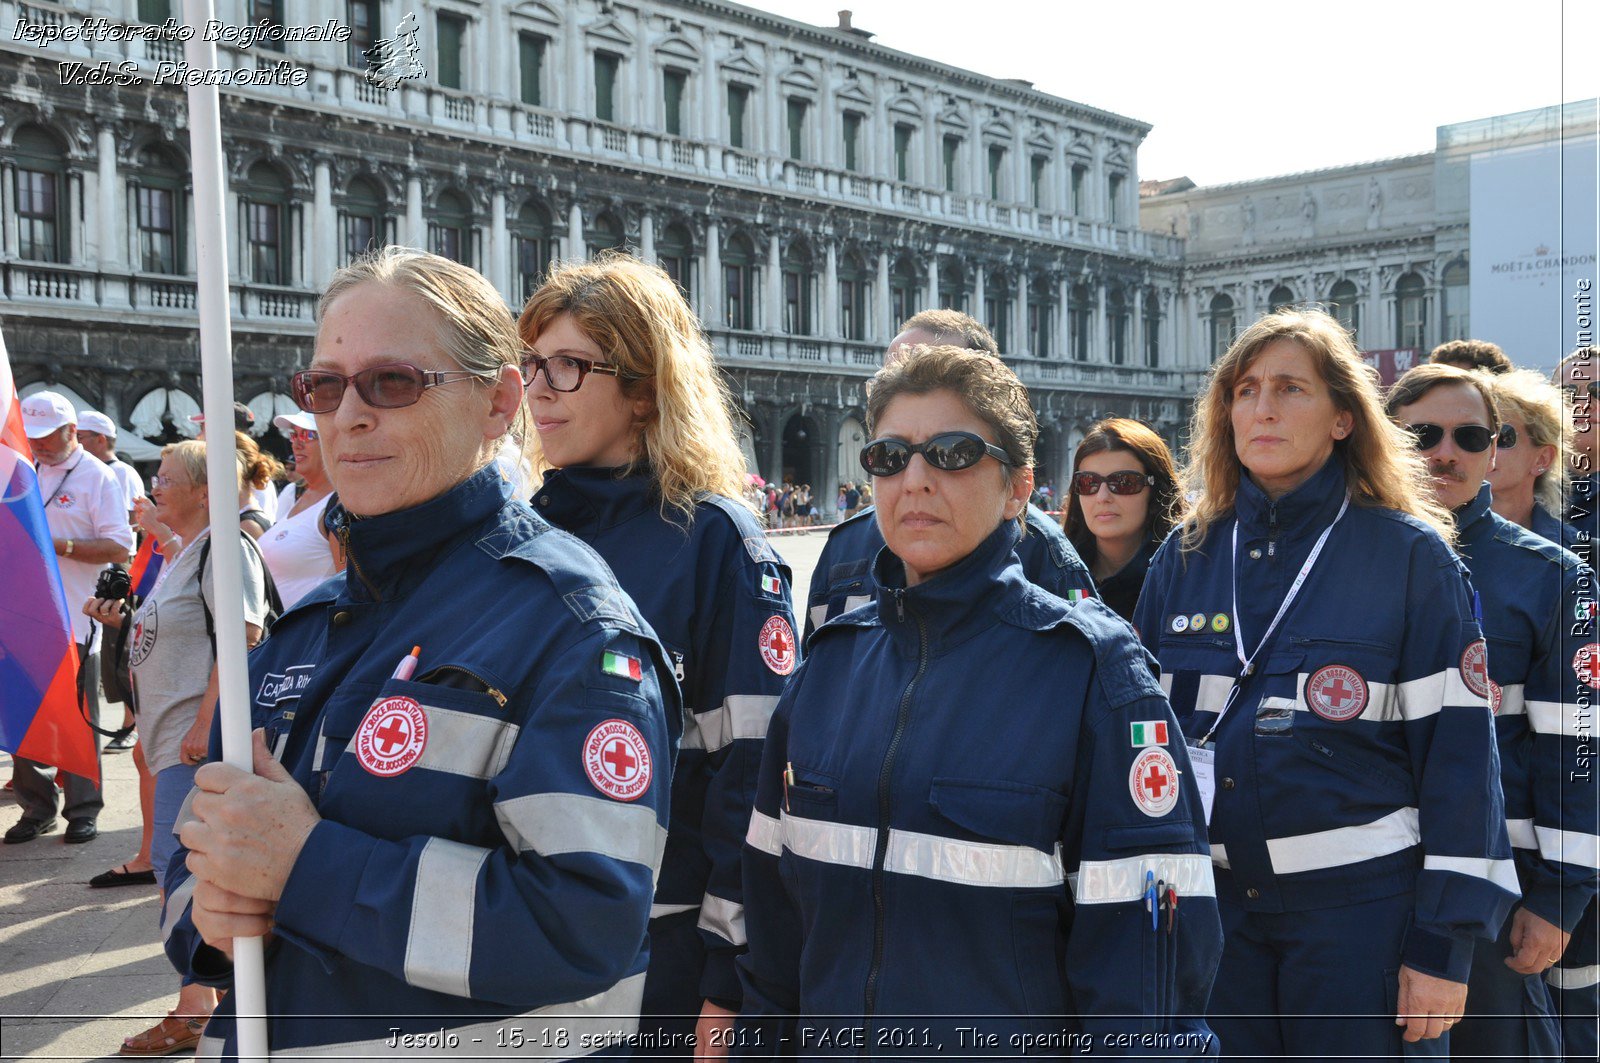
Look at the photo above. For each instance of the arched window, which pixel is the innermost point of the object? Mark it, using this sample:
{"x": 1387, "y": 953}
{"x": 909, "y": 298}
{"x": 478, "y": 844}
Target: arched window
{"x": 739, "y": 283}
{"x": 41, "y": 188}
{"x": 1455, "y": 301}
{"x": 997, "y": 299}
{"x": 854, "y": 281}
{"x": 450, "y": 232}
{"x": 605, "y": 233}
{"x": 264, "y": 199}
{"x": 1152, "y": 328}
{"x": 952, "y": 283}
{"x": 1344, "y": 302}
{"x": 1081, "y": 320}
{"x": 158, "y": 210}
{"x": 530, "y": 236}
{"x": 361, "y": 221}
{"x": 1117, "y": 315}
{"x": 675, "y": 253}
{"x": 903, "y": 289}
{"x": 1281, "y": 298}
{"x": 1221, "y": 325}
{"x": 1041, "y": 316}
{"x": 1410, "y": 312}
{"x": 797, "y": 282}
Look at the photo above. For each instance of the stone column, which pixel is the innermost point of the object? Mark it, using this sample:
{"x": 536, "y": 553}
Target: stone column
{"x": 499, "y": 253}
{"x": 1102, "y": 325}
{"x": 775, "y": 425}
{"x": 931, "y": 299}
{"x": 830, "y": 293}
{"x": 774, "y": 287}
{"x": 1136, "y": 328}
{"x": 647, "y": 239}
{"x": 323, "y": 224}
{"x": 1021, "y": 342}
{"x": 575, "y": 249}
{"x": 977, "y": 291}
{"x": 112, "y": 235}
{"x": 885, "y": 305}
{"x": 416, "y": 231}
{"x": 1371, "y": 335}
{"x": 713, "y": 313}
{"x": 1064, "y": 324}
{"x": 8, "y": 207}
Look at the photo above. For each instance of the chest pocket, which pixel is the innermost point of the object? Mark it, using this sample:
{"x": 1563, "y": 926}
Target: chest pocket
{"x": 1012, "y": 813}
{"x": 1341, "y": 681}
{"x": 849, "y": 587}
{"x": 1197, "y": 673}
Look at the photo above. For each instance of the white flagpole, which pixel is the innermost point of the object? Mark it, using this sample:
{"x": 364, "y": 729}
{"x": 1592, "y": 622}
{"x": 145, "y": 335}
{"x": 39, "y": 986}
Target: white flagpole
{"x": 216, "y": 385}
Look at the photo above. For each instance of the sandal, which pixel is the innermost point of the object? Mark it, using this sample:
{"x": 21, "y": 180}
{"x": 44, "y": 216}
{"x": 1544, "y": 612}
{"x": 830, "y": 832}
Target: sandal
{"x": 121, "y": 876}
{"x": 172, "y": 1034}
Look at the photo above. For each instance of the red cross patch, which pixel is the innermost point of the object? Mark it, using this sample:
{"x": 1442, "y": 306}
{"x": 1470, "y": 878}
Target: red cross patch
{"x": 64, "y": 500}
{"x": 1586, "y": 664}
{"x": 617, "y": 760}
{"x": 1153, "y": 781}
{"x": 1336, "y": 692}
{"x": 1475, "y": 668}
{"x": 777, "y": 645}
{"x": 391, "y": 737}
{"x": 1496, "y": 695}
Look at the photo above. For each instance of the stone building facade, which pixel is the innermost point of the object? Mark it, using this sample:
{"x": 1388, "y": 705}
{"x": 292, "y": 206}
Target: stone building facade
{"x": 807, "y": 187}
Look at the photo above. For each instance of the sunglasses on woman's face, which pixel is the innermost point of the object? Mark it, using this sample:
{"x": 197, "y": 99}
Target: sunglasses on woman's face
{"x": 1121, "y": 483}
{"x": 391, "y": 386}
{"x": 948, "y": 451}
{"x": 1472, "y": 438}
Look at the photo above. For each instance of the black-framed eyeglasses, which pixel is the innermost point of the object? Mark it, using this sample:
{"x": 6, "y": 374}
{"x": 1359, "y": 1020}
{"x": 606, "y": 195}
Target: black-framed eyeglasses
{"x": 947, "y": 451}
{"x": 390, "y": 386}
{"x": 1472, "y": 438}
{"x": 1507, "y": 439}
{"x": 562, "y": 371}
{"x": 1121, "y": 483}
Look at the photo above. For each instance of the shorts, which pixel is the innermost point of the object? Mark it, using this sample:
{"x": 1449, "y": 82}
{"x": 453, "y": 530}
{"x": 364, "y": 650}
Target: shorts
{"x": 172, "y": 789}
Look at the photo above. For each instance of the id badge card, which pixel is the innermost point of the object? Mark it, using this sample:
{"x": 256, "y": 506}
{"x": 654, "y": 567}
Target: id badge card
{"x": 1203, "y": 763}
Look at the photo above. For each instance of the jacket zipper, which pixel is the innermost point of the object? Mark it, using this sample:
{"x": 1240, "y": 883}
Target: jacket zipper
{"x": 344, "y": 542}
{"x": 487, "y": 689}
{"x": 1272, "y": 530}
{"x": 884, "y": 777}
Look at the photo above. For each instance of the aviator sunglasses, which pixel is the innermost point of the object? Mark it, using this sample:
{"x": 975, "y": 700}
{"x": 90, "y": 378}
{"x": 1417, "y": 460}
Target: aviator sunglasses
{"x": 1121, "y": 483}
{"x": 386, "y": 387}
{"x": 947, "y": 451}
{"x": 1472, "y": 438}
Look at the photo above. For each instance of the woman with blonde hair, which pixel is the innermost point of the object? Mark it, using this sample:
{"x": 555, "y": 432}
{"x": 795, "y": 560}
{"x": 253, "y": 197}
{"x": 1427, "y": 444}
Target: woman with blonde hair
{"x": 1318, "y": 638}
{"x": 636, "y": 451}
{"x": 260, "y": 470}
{"x": 1529, "y": 478}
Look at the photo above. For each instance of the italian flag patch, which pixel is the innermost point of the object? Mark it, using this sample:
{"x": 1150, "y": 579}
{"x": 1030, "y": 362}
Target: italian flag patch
{"x": 621, "y": 665}
{"x": 1078, "y": 595}
{"x": 1148, "y": 733}
{"x": 772, "y": 585}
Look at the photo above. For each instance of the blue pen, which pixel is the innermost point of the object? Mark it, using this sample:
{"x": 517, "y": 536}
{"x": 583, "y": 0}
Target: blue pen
{"x": 1155, "y": 914}
{"x": 1150, "y": 894}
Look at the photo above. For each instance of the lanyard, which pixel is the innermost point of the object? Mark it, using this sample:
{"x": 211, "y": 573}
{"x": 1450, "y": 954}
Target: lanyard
{"x": 55, "y": 492}
{"x": 1247, "y": 665}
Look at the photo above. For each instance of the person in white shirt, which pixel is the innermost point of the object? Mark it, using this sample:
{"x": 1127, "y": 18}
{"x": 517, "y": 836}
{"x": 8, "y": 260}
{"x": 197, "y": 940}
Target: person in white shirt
{"x": 88, "y": 518}
{"x": 298, "y": 554}
{"x": 98, "y": 435}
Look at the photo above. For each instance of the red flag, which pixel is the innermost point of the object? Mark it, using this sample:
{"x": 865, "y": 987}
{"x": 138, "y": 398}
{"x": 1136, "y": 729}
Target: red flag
{"x": 40, "y": 718}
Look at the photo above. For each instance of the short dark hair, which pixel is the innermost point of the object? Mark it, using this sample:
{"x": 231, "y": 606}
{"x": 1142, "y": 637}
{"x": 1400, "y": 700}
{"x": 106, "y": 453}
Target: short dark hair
{"x": 1472, "y": 354}
{"x": 1424, "y": 378}
{"x": 954, "y": 328}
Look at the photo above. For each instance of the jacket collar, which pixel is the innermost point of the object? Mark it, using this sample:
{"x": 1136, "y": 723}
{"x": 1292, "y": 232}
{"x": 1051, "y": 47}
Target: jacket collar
{"x": 387, "y": 549}
{"x": 958, "y": 602}
{"x": 1475, "y": 519}
{"x": 589, "y": 498}
{"x": 1306, "y": 510}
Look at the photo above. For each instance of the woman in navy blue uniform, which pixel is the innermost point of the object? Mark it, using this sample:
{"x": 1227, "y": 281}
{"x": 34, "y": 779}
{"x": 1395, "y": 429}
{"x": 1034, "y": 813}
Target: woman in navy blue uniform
{"x": 1317, "y": 637}
{"x": 635, "y": 445}
{"x": 974, "y": 813}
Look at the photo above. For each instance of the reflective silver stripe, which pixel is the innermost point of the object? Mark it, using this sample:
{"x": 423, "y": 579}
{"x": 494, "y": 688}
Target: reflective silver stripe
{"x": 1380, "y": 707}
{"x": 1166, "y": 684}
{"x": 1521, "y": 832}
{"x": 1116, "y": 881}
{"x": 1511, "y": 700}
{"x": 819, "y": 615}
{"x": 1397, "y": 831}
{"x": 444, "y": 902}
{"x": 185, "y": 811}
{"x": 209, "y": 1047}
{"x": 1569, "y": 847}
{"x": 462, "y": 743}
{"x": 739, "y": 716}
{"x": 322, "y": 746}
{"x": 551, "y": 824}
{"x": 1560, "y": 718}
{"x": 1502, "y": 873}
{"x": 723, "y": 918}
{"x": 764, "y": 834}
{"x": 604, "y": 1020}
{"x": 1423, "y": 697}
{"x": 658, "y": 911}
{"x": 1573, "y": 977}
{"x": 1219, "y": 855}
{"x": 855, "y": 601}
{"x": 1212, "y": 693}
{"x": 924, "y": 855}
{"x": 177, "y": 903}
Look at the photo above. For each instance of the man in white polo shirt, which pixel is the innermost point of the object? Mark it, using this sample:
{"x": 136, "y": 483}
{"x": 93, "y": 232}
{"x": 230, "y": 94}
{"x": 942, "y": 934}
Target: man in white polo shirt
{"x": 98, "y": 435}
{"x": 88, "y": 519}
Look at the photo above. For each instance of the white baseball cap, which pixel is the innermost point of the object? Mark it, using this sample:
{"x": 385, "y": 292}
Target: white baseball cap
{"x": 298, "y": 419}
{"x": 43, "y": 412}
{"x": 95, "y": 421}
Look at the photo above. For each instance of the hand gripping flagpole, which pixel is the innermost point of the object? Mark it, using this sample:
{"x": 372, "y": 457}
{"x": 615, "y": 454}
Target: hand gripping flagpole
{"x": 216, "y": 384}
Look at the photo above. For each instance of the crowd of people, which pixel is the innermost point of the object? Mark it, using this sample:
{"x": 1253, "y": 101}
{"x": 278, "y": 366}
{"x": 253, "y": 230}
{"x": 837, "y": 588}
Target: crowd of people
{"x": 537, "y": 736}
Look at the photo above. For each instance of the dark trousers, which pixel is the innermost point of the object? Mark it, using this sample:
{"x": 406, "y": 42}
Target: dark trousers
{"x": 1575, "y": 988}
{"x": 1509, "y": 1015}
{"x": 1321, "y": 983}
{"x": 34, "y": 783}
{"x": 672, "y": 999}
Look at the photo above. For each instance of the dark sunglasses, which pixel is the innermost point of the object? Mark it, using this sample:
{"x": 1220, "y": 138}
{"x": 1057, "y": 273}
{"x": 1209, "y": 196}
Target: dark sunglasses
{"x": 947, "y": 451}
{"x": 386, "y": 387}
{"x": 1472, "y": 438}
{"x": 1507, "y": 439}
{"x": 1121, "y": 483}
{"x": 1592, "y": 388}
{"x": 562, "y": 372}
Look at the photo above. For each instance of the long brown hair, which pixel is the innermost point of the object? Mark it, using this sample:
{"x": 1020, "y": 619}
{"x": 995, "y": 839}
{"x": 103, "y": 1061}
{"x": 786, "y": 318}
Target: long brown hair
{"x": 1124, "y": 435}
{"x": 1381, "y": 463}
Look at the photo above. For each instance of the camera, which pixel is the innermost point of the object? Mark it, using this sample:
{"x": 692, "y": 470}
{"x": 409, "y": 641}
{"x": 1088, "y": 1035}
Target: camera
{"x": 114, "y": 583}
